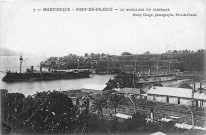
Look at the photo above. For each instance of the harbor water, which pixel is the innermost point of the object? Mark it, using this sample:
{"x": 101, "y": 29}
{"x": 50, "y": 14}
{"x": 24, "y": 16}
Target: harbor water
{"x": 28, "y": 88}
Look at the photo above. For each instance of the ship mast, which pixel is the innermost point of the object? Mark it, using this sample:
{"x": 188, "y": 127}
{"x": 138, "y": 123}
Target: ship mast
{"x": 158, "y": 65}
{"x": 169, "y": 62}
{"x": 78, "y": 64}
{"x": 21, "y": 61}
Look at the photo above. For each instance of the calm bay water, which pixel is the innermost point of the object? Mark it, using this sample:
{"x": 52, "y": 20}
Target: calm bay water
{"x": 29, "y": 88}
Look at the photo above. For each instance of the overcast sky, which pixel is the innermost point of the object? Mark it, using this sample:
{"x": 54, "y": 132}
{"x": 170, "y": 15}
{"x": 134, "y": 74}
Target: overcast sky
{"x": 61, "y": 33}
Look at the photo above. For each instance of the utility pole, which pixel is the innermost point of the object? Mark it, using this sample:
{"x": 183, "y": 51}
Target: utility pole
{"x": 135, "y": 70}
{"x": 131, "y": 97}
{"x": 108, "y": 66}
{"x": 169, "y": 66}
{"x": 133, "y": 79}
{"x": 135, "y": 63}
{"x": 158, "y": 64}
{"x": 192, "y": 115}
{"x": 193, "y": 90}
{"x": 191, "y": 110}
{"x": 58, "y": 63}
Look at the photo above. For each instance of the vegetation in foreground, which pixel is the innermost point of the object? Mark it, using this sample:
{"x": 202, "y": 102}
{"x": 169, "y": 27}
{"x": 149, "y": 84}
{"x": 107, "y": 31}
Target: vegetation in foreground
{"x": 53, "y": 112}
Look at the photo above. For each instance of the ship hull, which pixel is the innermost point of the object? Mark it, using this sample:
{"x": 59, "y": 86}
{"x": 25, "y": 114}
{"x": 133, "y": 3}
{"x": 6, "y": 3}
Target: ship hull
{"x": 12, "y": 77}
{"x": 156, "y": 78}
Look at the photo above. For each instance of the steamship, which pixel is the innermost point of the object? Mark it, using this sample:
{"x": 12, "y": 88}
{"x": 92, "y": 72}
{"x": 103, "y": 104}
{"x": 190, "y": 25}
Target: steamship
{"x": 33, "y": 75}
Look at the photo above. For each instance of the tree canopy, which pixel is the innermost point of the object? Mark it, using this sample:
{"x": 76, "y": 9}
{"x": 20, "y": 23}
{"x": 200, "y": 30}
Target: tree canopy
{"x": 126, "y": 53}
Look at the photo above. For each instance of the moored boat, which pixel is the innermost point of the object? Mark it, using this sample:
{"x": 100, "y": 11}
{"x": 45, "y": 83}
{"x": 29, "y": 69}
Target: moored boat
{"x": 53, "y": 75}
{"x": 33, "y": 75}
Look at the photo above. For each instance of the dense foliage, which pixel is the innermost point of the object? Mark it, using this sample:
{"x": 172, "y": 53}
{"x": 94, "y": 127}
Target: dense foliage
{"x": 43, "y": 112}
{"x": 192, "y": 61}
{"x": 126, "y": 53}
{"x": 116, "y": 100}
{"x": 123, "y": 80}
{"x": 53, "y": 112}
{"x": 185, "y": 85}
{"x": 98, "y": 105}
{"x": 186, "y": 60}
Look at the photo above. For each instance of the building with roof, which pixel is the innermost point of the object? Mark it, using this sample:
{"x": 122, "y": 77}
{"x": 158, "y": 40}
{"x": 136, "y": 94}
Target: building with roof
{"x": 158, "y": 133}
{"x": 200, "y": 98}
{"x": 93, "y": 88}
{"x": 135, "y": 91}
{"x": 170, "y": 95}
{"x": 123, "y": 116}
{"x": 173, "y": 95}
{"x": 194, "y": 131}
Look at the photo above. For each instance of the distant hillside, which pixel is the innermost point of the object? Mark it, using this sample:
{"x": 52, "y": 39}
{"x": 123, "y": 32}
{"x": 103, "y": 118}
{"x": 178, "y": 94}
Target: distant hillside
{"x": 7, "y": 52}
{"x": 184, "y": 60}
{"x": 192, "y": 62}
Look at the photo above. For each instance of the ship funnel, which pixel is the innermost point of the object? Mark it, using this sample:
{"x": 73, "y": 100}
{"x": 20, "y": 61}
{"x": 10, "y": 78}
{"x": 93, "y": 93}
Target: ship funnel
{"x": 49, "y": 69}
{"x": 32, "y": 69}
{"x": 40, "y": 68}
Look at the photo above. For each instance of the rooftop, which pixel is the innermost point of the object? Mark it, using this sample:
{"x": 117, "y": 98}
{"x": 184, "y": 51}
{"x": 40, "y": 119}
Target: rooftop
{"x": 129, "y": 90}
{"x": 158, "y": 133}
{"x": 123, "y": 116}
{"x": 94, "y": 87}
{"x": 198, "y": 95}
{"x": 171, "y": 91}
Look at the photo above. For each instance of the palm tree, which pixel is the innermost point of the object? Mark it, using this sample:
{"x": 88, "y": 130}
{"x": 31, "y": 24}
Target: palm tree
{"x": 116, "y": 100}
{"x": 185, "y": 85}
{"x": 98, "y": 105}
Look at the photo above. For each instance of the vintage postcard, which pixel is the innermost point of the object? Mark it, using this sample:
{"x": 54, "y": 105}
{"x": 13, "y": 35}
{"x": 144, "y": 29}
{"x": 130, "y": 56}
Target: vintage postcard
{"x": 103, "y": 67}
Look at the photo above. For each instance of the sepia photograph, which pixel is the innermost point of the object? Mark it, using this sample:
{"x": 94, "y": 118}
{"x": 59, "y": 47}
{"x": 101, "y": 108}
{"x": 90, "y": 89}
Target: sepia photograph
{"x": 105, "y": 67}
